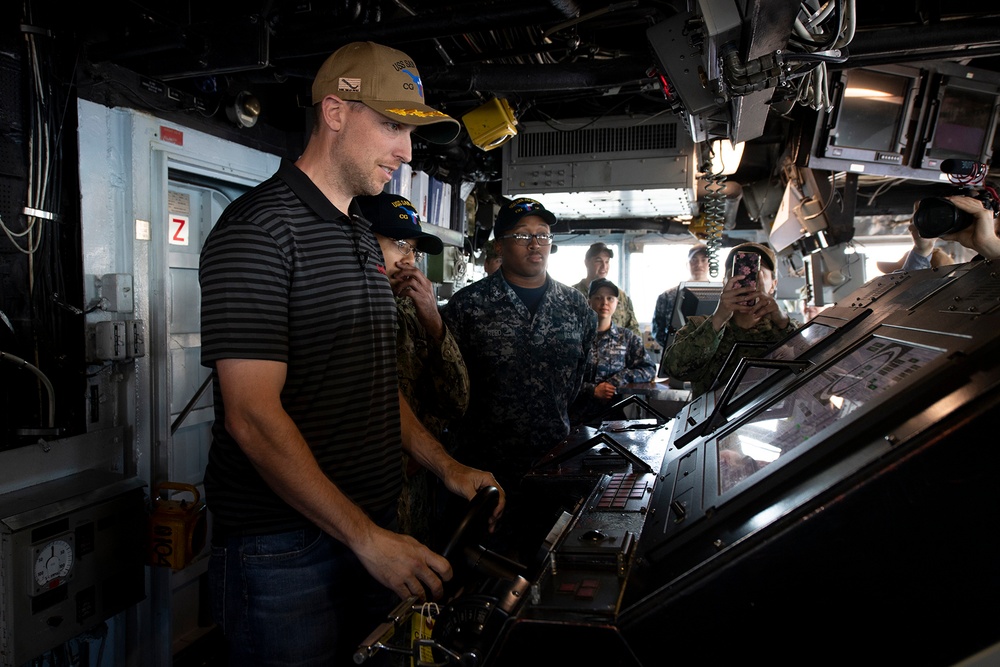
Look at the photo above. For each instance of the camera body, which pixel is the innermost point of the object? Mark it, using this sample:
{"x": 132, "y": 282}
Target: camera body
{"x": 936, "y": 216}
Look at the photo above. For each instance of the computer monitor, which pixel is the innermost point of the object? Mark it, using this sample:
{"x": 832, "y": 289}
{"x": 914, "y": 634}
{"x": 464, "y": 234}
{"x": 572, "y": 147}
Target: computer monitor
{"x": 880, "y": 376}
{"x": 693, "y": 298}
{"x": 870, "y": 121}
{"x": 871, "y": 126}
{"x": 840, "y": 390}
{"x": 961, "y": 119}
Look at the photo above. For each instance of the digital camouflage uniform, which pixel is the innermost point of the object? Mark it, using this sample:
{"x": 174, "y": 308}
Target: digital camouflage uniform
{"x": 699, "y": 352}
{"x": 524, "y": 371}
{"x": 617, "y": 356}
{"x": 661, "y": 315}
{"x": 435, "y": 382}
{"x": 624, "y": 315}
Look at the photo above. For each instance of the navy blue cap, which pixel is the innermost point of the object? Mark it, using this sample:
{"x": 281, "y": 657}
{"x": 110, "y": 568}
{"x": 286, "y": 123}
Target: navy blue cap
{"x": 512, "y": 212}
{"x": 700, "y": 249}
{"x": 603, "y": 282}
{"x": 394, "y": 216}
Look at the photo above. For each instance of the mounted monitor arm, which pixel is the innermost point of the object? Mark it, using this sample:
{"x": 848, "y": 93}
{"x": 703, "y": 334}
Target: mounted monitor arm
{"x": 566, "y": 450}
{"x": 718, "y": 417}
{"x": 587, "y": 445}
{"x": 718, "y": 412}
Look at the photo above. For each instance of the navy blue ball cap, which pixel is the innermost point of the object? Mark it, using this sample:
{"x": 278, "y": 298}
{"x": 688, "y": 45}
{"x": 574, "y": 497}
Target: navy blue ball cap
{"x": 603, "y": 282}
{"x": 512, "y": 212}
{"x": 395, "y": 217}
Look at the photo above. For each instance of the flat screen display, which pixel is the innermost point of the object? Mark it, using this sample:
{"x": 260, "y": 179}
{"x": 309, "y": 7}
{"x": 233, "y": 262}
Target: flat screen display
{"x": 834, "y": 393}
{"x": 871, "y": 110}
{"x": 694, "y": 299}
{"x": 962, "y": 124}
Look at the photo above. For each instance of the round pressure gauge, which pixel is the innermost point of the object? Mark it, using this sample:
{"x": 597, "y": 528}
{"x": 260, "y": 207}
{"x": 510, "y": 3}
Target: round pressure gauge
{"x": 53, "y": 563}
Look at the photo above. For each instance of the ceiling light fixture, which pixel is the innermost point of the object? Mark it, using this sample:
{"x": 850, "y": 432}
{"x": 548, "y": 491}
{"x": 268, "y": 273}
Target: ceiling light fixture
{"x": 244, "y": 110}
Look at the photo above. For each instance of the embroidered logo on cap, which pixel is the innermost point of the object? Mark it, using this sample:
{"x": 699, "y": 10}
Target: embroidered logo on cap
{"x": 407, "y": 212}
{"x": 525, "y": 205}
{"x": 416, "y": 79}
{"x": 419, "y": 113}
{"x": 349, "y": 85}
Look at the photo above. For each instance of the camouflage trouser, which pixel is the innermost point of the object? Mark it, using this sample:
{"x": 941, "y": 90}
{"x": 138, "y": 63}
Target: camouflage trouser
{"x": 415, "y": 502}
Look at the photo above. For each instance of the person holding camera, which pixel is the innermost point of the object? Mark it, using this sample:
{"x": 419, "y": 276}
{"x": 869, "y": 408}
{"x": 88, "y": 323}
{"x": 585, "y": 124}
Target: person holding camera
{"x": 977, "y": 231}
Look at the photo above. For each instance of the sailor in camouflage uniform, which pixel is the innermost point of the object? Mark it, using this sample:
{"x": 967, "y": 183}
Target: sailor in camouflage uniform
{"x": 664, "y": 309}
{"x": 432, "y": 374}
{"x": 598, "y": 262}
{"x": 744, "y": 314}
{"x": 617, "y": 357}
{"x": 525, "y": 339}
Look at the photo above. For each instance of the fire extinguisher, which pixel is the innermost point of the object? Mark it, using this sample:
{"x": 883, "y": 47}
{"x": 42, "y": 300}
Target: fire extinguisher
{"x": 177, "y": 527}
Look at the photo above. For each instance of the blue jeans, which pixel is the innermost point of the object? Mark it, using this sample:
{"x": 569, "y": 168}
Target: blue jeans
{"x": 297, "y": 599}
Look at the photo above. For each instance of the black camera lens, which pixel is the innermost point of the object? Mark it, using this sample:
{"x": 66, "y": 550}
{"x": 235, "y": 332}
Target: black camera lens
{"x": 936, "y": 216}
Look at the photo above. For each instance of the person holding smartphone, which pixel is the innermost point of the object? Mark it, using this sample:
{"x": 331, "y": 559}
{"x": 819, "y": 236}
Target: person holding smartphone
{"x": 747, "y": 312}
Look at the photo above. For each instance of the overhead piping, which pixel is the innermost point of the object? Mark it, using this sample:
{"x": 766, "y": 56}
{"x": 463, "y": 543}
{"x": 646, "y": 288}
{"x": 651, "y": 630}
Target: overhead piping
{"x": 413, "y": 29}
{"x": 538, "y": 78}
{"x": 931, "y": 42}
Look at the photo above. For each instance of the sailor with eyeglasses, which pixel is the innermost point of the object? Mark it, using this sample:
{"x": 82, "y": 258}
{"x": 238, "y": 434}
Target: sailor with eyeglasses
{"x": 525, "y": 338}
{"x": 432, "y": 374}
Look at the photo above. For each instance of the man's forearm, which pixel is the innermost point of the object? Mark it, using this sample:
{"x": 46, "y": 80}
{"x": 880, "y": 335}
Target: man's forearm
{"x": 421, "y": 444}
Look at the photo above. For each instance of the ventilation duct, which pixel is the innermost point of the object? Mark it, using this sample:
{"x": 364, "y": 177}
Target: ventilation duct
{"x": 619, "y": 167}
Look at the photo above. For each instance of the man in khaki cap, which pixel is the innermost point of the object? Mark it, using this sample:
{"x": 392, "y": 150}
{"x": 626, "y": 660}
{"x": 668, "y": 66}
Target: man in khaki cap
{"x": 298, "y": 327}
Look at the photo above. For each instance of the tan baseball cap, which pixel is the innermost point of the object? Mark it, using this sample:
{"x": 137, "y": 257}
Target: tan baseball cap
{"x": 770, "y": 261}
{"x": 387, "y": 81}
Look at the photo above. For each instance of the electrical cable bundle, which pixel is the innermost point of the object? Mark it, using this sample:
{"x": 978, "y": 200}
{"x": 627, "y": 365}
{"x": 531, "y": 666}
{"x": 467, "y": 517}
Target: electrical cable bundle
{"x": 821, "y": 31}
{"x": 965, "y": 172}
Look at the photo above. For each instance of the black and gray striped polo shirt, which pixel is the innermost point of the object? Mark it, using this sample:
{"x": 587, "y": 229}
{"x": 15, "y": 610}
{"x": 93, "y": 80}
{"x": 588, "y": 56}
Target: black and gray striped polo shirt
{"x": 287, "y": 277}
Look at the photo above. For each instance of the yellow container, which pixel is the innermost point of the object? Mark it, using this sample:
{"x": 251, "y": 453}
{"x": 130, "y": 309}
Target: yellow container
{"x": 177, "y": 528}
{"x": 491, "y": 125}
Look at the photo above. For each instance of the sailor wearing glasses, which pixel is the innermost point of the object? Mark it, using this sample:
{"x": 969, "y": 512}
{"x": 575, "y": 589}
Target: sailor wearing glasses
{"x": 525, "y": 339}
{"x": 432, "y": 374}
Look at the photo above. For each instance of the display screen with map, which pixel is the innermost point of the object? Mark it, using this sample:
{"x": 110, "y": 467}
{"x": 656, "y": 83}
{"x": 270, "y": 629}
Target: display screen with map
{"x": 844, "y": 387}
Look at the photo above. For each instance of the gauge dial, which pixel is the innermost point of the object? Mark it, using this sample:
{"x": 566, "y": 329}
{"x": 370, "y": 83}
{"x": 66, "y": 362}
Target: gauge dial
{"x": 53, "y": 563}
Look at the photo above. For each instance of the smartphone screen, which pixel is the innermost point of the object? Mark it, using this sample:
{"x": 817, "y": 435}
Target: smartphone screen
{"x": 746, "y": 266}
